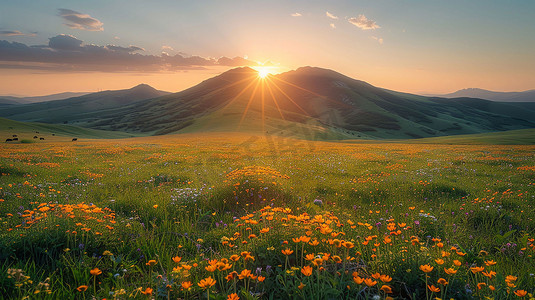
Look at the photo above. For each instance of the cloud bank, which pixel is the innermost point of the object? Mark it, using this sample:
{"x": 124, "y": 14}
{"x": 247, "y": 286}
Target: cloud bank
{"x": 80, "y": 21}
{"x": 363, "y": 23}
{"x": 66, "y": 52}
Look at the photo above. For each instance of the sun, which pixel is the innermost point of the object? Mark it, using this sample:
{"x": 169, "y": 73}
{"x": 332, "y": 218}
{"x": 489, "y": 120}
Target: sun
{"x": 263, "y": 73}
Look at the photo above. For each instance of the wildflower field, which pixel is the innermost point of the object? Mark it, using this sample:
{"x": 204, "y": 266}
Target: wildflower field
{"x": 257, "y": 217}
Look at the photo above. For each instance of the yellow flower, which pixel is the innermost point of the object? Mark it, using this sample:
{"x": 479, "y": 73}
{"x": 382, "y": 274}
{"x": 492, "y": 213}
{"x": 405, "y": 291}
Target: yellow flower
{"x": 426, "y": 268}
{"x": 207, "y": 282}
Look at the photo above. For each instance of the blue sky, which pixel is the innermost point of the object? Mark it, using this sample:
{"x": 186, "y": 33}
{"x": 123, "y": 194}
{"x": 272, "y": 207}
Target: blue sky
{"x": 412, "y": 46}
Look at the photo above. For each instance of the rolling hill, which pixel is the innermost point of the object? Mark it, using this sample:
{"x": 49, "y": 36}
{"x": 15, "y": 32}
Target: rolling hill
{"x": 71, "y": 110}
{"x": 309, "y": 102}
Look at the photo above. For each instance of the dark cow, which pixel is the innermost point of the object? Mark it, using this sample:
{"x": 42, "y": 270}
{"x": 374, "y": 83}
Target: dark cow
{"x": 42, "y": 139}
{"x": 14, "y": 135}
{"x": 37, "y": 132}
{"x": 74, "y": 140}
{"x": 34, "y": 136}
{"x": 9, "y": 140}
{"x": 16, "y": 139}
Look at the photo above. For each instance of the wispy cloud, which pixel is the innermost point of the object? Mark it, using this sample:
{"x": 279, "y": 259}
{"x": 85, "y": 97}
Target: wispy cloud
{"x": 66, "y": 52}
{"x": 363, "y": 23}
{"x": 332, "y": 26}
{"x": 80, "y": 21}
{"x": 10, "y": 32}
{"x": 14, "y": 33}
{"x": 296, "y": 14}
{"x": 378, "y": 39}
{"x": 328, "y": 14}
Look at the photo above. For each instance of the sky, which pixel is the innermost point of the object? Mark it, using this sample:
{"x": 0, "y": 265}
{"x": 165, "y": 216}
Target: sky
{"x": 424, "y": 47}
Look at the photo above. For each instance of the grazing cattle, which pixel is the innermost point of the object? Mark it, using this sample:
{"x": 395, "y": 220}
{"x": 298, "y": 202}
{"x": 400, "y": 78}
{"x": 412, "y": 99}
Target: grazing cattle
{"x": 9, "y": 140}
{"x": 14, "y": 135}
{"x": 74, "y": 140}
{"x": 41, "y": 139}
{"x": 53, "y": 134}
{"x": 16, "y": 139}
{"x": 37, "y": 132}
{"x": 34, "y": 136}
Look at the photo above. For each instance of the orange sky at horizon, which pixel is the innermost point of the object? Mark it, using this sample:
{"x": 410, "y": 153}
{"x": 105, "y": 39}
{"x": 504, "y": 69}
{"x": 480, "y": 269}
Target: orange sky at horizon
{"x": 38, "y": 83}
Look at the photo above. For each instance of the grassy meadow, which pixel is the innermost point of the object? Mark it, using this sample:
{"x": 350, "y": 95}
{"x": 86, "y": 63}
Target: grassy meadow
{"x": 235, "y": 216}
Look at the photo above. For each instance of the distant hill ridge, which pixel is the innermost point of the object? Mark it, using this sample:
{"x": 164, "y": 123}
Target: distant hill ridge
{"x": 526, "y": 96}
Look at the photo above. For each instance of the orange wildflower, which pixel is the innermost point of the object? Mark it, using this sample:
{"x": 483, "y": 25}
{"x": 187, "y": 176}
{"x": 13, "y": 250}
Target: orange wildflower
{"x": 207, "y": 283}
{"x": 450, "y": 271}
{"x": 426, "y": 268}
{"x": 186, "y": 285}
{"x": 287, "y": 251}
{"x": 433, "y": 288}
{"x": 306, "y": 270}
{"x": 477, "y": 269}
{"x": 386, "y": 289}
{"x": 82, "y": 288}
{"x": 233, "y": 296}
{"x": 521, "y": 293}
{"x": 370, "y": 282}
{"x": 147, "y": 291}
{"x": 490, "y": 263}
{"x": 95, "y": 272}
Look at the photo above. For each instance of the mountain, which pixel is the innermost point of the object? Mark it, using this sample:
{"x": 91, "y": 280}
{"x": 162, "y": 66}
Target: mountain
{"x": 309, "y": 102}
{"x": 73, "y": 109}
{"x": 526, "y": 96}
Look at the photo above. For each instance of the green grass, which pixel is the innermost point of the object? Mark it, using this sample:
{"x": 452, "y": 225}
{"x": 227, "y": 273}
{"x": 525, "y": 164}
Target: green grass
{"x": 116, "y": 205}
{"x": 29, "y": 129}
{"x": 511, "y": 137}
